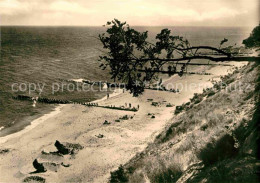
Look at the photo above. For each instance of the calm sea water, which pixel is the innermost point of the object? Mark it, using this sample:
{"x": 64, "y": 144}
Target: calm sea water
{"x": 56, "y": 54}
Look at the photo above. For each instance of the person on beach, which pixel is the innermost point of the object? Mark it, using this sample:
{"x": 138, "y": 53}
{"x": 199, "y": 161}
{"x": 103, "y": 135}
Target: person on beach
{"x": 130, "y": 105}
{"x": 107, "y": 95}
{"x": 34, "y": 102}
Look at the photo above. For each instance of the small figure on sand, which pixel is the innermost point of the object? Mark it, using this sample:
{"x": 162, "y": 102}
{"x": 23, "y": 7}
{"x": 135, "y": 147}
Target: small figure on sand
{"x": 34, "y": 101}
{"x": 107, "y": 95}
{"x": 106, "y": 123}
{"x": 160, "y": 82}
{"x": 100, "y": 136}
{"x": 130, "y": 105}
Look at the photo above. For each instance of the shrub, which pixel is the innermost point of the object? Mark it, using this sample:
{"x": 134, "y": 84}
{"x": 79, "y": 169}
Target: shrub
{"x": 197, "y": 98}
{"x": 119, "y": 175}
{"x": 34, "y": 178}
{"x": 170, "y": 174}
{"x": 178, "y": 109}
{"x": 222, "y": 149}
{"x": 204, "y": 127}
{"x": 211, "y": 93}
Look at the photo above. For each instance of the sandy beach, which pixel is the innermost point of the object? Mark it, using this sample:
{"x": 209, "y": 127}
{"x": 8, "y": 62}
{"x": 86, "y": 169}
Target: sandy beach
{"x": 81, "y": 125}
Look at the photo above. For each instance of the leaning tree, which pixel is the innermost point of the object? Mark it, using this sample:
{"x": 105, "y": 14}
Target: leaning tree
{"x": 134, "y": 60}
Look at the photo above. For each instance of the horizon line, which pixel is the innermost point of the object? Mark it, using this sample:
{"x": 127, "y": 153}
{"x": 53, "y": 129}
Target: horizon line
{"x": 129, "y": 26}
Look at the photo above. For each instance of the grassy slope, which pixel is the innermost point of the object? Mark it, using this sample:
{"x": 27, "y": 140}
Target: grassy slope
{"x": 214, "y": 140}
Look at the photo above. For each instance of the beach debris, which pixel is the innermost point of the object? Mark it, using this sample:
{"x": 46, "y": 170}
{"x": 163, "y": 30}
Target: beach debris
{"x": 61, "y": 148}
{"x": 3, "y": 151}
{"x": 156, "y": 104}
{"x": 149, "y": 99}
{"x": 67, "y": 148}
{"x": 106, "y": 123}
{"x": 153, "y": 116}
{"x": 169, "y": 105}
{"x": 34, "y": 179}
{"x": 65, "y": 165}
{"x": 38, "y": 166}
{"x": 125, "y": 117}
{"x": 100, "y": 136}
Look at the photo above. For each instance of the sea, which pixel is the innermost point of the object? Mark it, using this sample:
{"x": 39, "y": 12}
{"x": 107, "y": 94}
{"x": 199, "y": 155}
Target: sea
{"x": 51, "y": 56}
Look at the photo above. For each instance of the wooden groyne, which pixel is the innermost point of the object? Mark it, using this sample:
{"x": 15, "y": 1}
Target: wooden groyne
{"x": 42, "y": 99}
{"x": 133, "y": 109}
{"x": 108, "y": 84}
{"x": 57, "y": 101}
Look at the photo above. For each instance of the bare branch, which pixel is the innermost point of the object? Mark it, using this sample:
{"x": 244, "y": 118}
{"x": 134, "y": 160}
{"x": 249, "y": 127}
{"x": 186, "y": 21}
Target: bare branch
{"x": 216, "y": 59}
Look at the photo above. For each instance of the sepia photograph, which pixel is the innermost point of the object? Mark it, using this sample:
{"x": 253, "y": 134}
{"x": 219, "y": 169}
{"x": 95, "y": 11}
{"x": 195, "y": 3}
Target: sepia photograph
{"x": 129, "y": 91}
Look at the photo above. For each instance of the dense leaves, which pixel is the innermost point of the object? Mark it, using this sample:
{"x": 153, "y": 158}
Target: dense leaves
{"x": 253, "y": 41}
{"x": 131, "y": 57}
{"x": 135, "y": 61}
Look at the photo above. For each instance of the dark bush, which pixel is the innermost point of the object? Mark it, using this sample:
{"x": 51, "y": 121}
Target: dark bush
{"x": 119, "y": 175}
{"x": 178, "y": 109}
{"x": 204, "y": 127}
{"x": 197, "y": 98}
{"x": 34, "y": 179}
{"x": 222, "y": 149}
{"x": 167, "y": 175}
{"x": 254, "y": 39}
{"x": 211, "y": 93}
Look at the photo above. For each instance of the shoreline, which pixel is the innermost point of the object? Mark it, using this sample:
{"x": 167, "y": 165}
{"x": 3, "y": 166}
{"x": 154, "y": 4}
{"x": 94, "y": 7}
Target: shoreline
{"x": 32, "y": 125}
{"x": 35, "y": 122}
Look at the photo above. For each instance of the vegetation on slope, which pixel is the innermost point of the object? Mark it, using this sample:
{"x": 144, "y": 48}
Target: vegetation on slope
{"x": 215, "y": 140}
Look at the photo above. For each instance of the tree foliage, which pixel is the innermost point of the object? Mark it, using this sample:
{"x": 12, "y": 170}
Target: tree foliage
{"x": 134, "y": 60}
{"x": 253, "y": 41}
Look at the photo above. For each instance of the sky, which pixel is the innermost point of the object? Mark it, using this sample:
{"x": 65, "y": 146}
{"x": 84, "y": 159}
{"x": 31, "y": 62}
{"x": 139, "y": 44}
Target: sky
{"x": 134, "y": 12}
